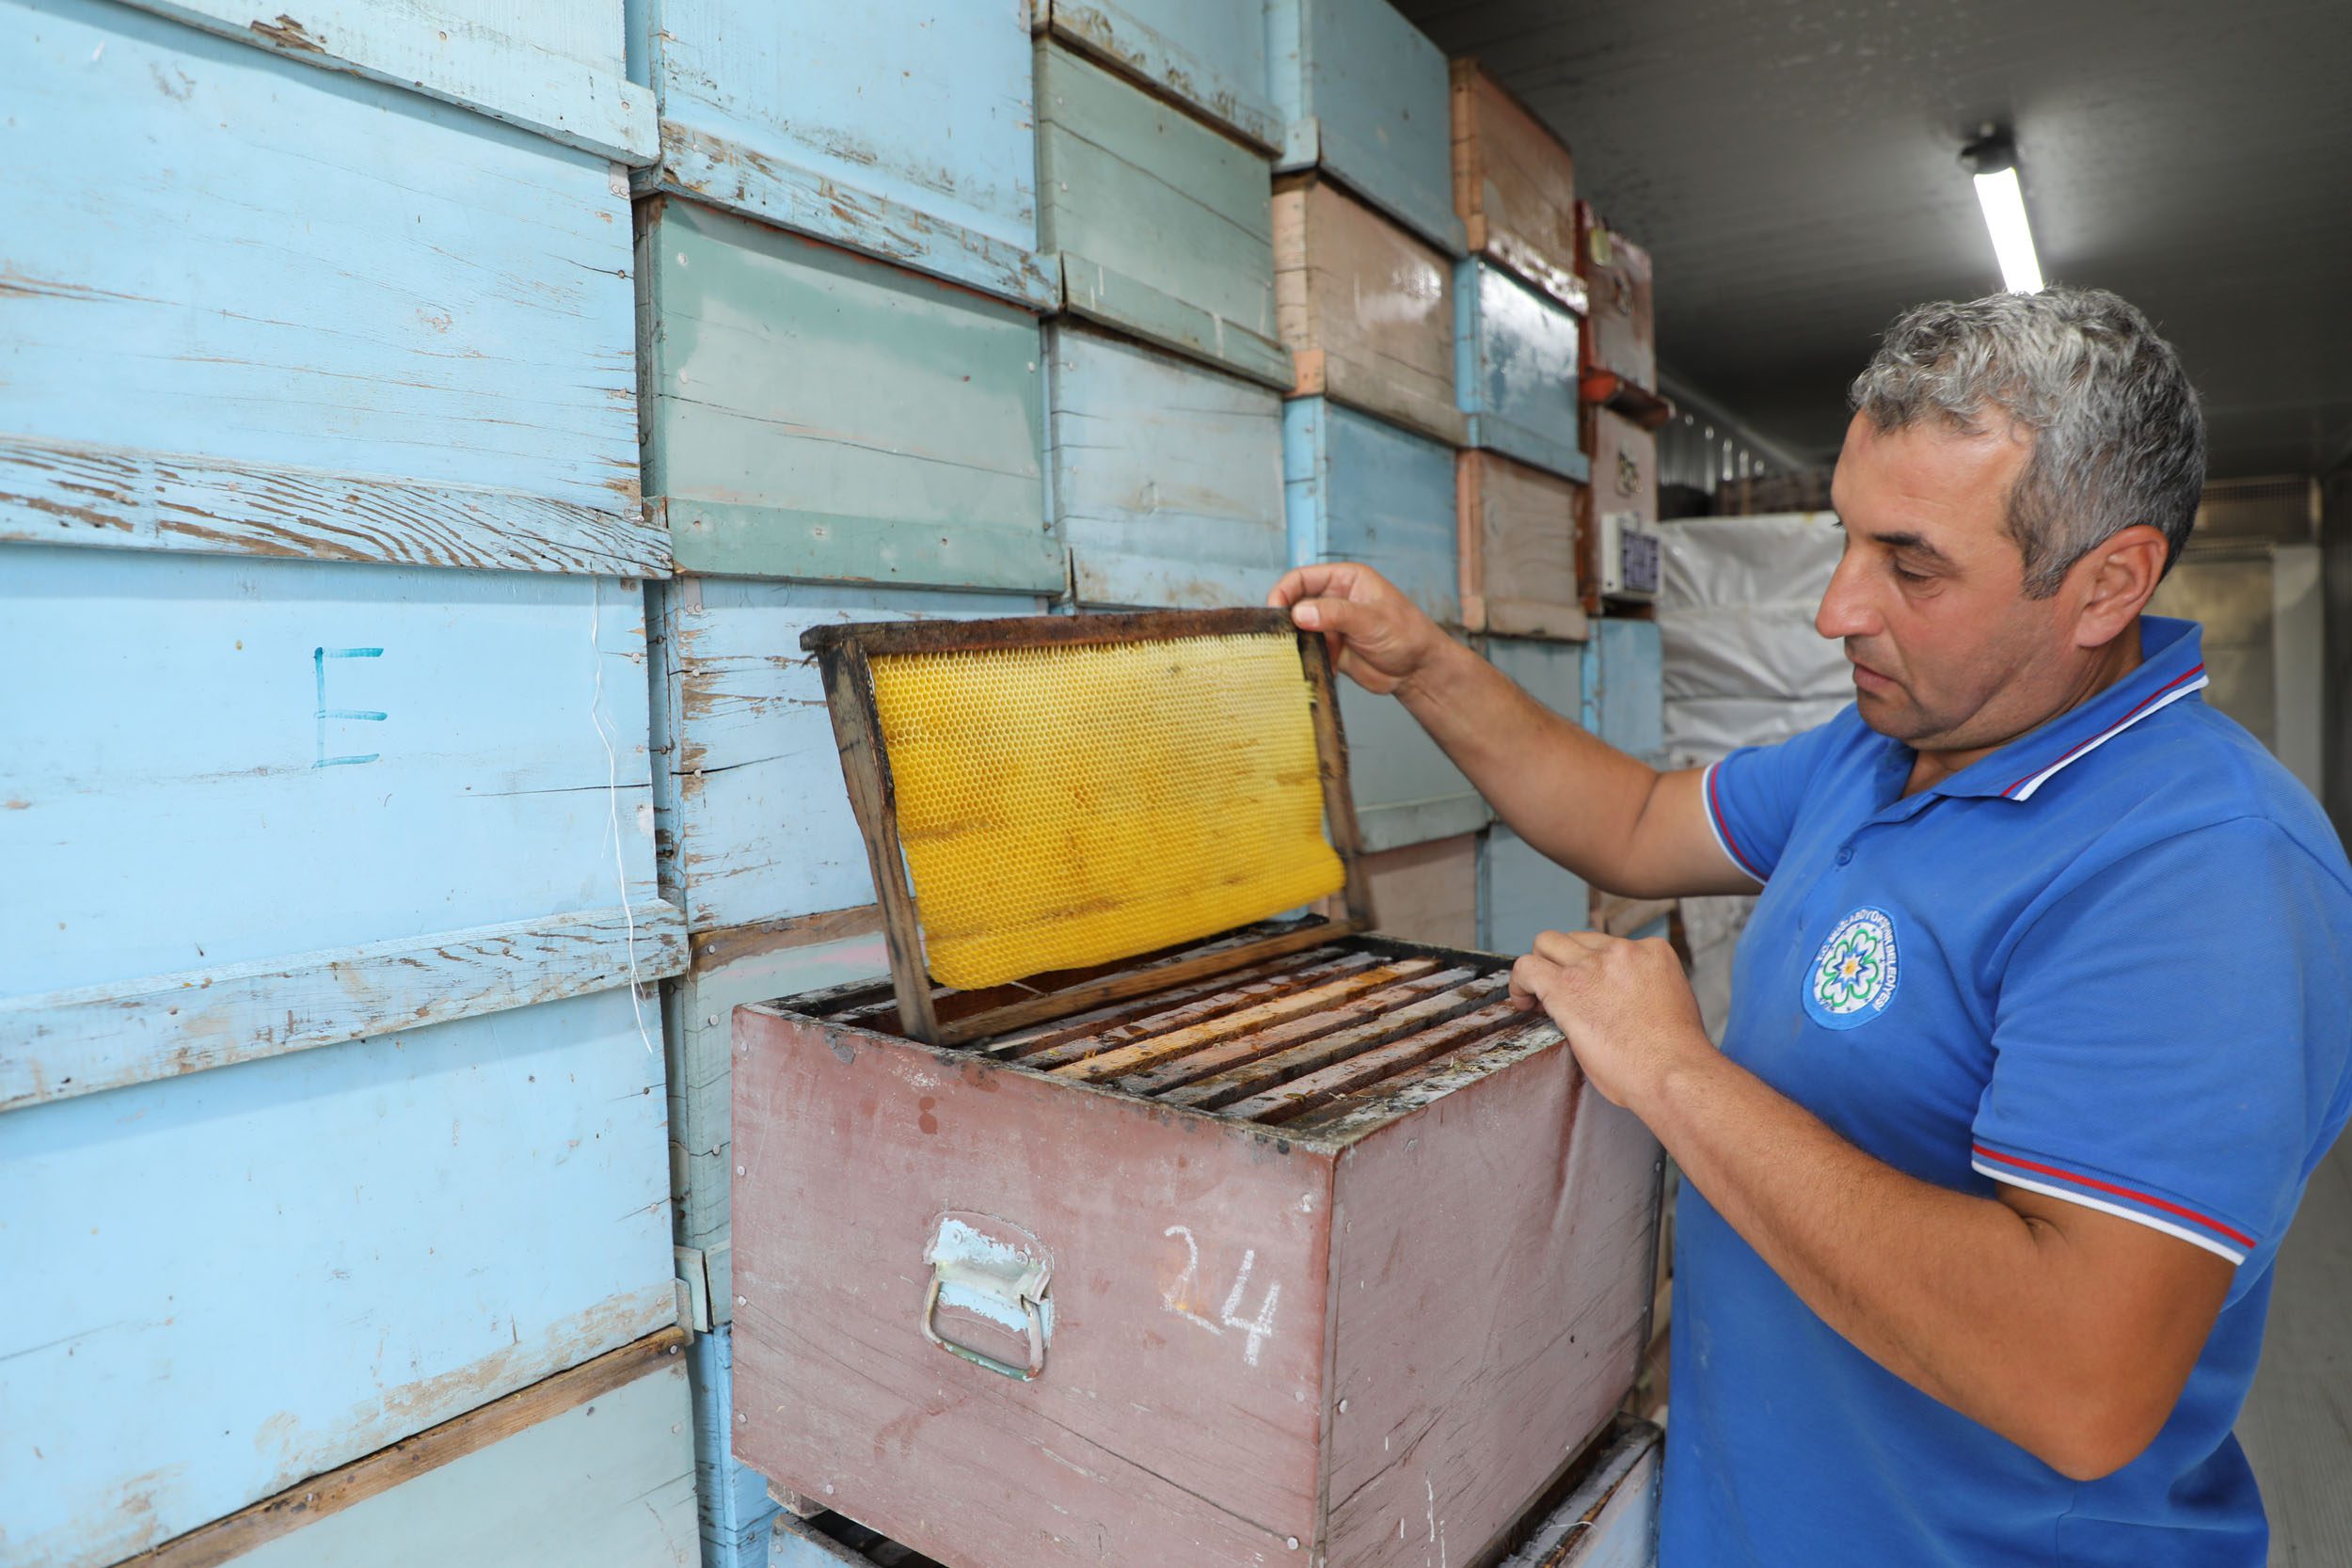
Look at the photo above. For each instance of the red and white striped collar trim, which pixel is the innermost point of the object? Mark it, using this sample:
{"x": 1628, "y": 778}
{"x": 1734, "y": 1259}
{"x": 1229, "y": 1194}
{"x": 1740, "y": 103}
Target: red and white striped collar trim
{"x": 2164, "y": 696}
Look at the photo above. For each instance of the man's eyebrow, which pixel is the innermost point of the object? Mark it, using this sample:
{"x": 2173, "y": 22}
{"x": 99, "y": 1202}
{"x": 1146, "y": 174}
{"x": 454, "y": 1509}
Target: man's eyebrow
{"x": 1899, "y": 540}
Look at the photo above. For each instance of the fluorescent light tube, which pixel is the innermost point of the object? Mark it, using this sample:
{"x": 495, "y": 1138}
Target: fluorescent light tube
{"x": 2004, "y": 204}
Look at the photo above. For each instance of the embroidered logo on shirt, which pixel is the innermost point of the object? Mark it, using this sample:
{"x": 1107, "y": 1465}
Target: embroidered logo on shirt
{"x": 1853, "y": 976}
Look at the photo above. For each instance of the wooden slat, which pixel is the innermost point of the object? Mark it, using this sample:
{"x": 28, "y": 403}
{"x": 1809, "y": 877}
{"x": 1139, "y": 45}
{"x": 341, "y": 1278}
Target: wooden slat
{"x": 714, "y": 949}
{"x": 1137, "y": 982}
{"x": 552, "y": 67}
{"x": 1347, "y": 1020}
{"x": 1311, "y": 1091}
{"x": 1040, "y": 631}
{"x": 1350, "y": 1115}
{"x": 1163, "y": 1048}
{"x": 62, "y": 493}
{"x": 338, "y": 1489}
{"x": 956, "y": 1006}
{"x": 1211, "y": 55}
{"x": 1392, "y": 1022}
{"x": 1339, "y": 800}
{"x": 58, "y": 1044}
{"x": 866, "y": 768}
{"x": 1066, "y": 1040}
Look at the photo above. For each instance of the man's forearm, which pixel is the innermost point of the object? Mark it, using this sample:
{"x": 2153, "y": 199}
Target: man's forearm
{"x": 1960, "y": 1296}
{"x": 1567, "y": 792}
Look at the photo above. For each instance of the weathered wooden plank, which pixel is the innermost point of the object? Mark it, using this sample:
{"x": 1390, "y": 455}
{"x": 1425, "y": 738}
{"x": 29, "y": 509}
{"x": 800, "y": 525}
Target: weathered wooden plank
{"x": 518, "y": 1469}
{"x": 319, "y": 309}
{"x": 1416, "y": 1008}
{"x": 1357, "y": 488}
{"x": 1210, "y": 54}
{"x": 1340, "y": 822}
{"x": 814, "y": 414}
{"x": 1309, "y": 1091}
{"x": 698, "y": 1013}
{"x": 1214, "y": 957}
{"x": 423, "y": 1221}
{"x": 1163, "y": 225}
{"x": 543, "y": 65}
{"x": 1167, "y": 476}
{"x": 1519, "y": 543}
{"x": 1290, "y": 1007}
{"x": 1366, "y": 97}
{"x": 1522, "y": 894}
{"x": 1043, "y": 631}
{"x": 215, "y": 762}
{"x": 1072, "y": 1039}
{"x": 1624, "y": 686}
{"x": 899, "y": 128}
{"x": 1514, "y": 186}
{"x": 1622, "y": 337}
{"x": 54, "y": 493}
{"x": 1427, "y": 892}
{"x": 58, "y": 1044}
{"x": 1407, "y": 791}
{"x": 1169, "y": 1075}
{"x": 1365, "y": 309}
{"x": 1546, "y": 1288}
{"x": 751, "y": 821}
{"x": 873, "y": 798}
{"x": 1516, "y": 369}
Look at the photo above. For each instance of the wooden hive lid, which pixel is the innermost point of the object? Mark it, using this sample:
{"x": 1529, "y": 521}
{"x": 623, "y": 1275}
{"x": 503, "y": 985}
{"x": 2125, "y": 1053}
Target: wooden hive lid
{"x": 1052, "y": 795}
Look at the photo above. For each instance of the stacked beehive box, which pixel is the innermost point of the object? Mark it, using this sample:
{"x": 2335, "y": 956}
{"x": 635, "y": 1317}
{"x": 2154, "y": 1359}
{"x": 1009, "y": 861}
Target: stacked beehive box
{"x": 330, "y": 1080}
{"x": 844, "y": 414}
{"x": 1366, "y": 241}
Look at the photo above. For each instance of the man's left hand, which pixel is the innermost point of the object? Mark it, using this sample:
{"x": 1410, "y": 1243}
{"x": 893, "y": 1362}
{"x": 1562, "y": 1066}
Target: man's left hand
{"x": 1626, "y": 1007}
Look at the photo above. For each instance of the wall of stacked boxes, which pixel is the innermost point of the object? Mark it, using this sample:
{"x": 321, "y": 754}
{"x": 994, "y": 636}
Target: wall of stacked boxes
{"x": 453, "y": 424}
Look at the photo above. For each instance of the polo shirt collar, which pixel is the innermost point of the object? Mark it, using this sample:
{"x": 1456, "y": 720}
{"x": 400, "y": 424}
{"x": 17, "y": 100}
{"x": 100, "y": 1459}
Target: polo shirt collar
{"x": 2171, "y": 667}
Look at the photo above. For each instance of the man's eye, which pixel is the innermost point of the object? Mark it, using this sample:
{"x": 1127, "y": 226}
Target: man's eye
{"x": 1909, "y": 576}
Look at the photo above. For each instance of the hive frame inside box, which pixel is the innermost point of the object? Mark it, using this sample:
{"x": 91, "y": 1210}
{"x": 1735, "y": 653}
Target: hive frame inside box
{"x": 945, "y": 1017}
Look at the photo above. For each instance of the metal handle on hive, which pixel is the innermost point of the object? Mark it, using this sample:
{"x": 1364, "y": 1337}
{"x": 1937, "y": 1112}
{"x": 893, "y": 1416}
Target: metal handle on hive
{"x": 1031, "y": 1310}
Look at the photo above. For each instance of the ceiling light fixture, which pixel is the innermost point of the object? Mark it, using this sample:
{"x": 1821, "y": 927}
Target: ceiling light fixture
{"x": 1993, "y": 159}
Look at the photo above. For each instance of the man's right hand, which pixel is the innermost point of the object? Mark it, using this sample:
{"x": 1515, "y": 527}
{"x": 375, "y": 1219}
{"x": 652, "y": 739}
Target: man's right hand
{"x": 1377, "y": 637}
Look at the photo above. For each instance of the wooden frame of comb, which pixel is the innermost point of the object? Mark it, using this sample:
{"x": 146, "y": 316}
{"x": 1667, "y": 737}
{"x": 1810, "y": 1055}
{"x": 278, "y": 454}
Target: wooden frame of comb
{"x": 938, "y": 1015}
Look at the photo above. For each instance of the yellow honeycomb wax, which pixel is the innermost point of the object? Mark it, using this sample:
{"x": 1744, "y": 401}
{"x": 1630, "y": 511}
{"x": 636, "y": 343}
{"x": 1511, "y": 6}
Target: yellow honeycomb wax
{"x": 1069, "y": 806}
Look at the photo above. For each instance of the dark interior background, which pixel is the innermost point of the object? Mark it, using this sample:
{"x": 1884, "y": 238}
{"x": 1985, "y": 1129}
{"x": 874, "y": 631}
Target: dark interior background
{"x": 1794, "y": 166}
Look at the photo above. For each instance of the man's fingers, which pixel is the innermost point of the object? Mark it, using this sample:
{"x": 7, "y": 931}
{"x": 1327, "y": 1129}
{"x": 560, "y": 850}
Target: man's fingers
{"x": 1572, "y": 947}
{"x": 1335, "y": 578}
{"x": 1530, "y": 977}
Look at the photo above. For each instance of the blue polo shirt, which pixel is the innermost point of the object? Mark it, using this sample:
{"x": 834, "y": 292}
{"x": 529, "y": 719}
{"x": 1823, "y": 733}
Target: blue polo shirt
{"x": 2112, "y": 962}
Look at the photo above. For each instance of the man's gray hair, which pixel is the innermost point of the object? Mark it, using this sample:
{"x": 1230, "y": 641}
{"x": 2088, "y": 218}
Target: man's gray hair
{"x": 2117, "y": 434}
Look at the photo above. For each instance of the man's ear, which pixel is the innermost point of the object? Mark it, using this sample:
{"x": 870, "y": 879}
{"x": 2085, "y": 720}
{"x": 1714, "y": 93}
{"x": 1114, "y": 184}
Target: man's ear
{"x": 2112, "y": 584}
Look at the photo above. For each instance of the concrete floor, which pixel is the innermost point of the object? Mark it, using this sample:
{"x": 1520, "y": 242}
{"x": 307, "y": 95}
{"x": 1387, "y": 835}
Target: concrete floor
{"x": 2297, "y": 1425}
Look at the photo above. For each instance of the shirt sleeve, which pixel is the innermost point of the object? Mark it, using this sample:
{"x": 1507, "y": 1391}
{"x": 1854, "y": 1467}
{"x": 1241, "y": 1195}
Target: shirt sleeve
{"x": 2169, "y": 1039}
{"x": 1753, "y": 795}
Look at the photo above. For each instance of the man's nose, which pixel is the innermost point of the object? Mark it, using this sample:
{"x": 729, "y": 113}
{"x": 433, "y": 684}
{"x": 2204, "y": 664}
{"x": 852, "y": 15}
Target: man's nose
{"x": 1846, "y": 609}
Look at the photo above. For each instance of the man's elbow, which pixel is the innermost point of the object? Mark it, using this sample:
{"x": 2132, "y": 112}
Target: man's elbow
{"x": 2092, "y": 1439}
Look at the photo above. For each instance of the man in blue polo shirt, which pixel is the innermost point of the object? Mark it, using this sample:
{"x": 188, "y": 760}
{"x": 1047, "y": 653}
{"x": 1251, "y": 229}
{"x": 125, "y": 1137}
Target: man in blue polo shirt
{"x": 2041, "y": 1024}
